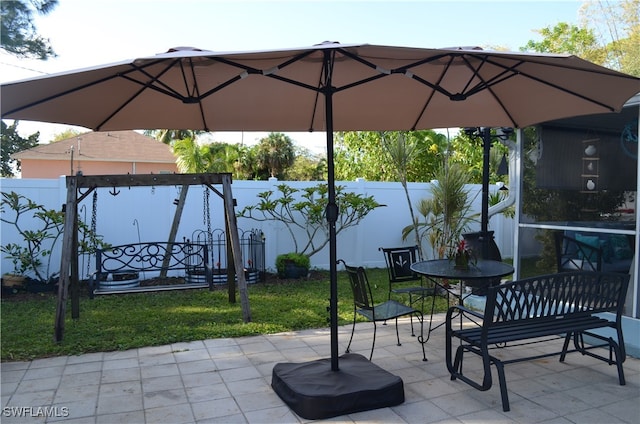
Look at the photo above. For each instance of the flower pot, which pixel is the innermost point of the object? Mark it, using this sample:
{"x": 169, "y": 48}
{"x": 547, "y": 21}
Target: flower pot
{"x": 10, "y": 280}
{"x": 121, "y": 281}
{"x": 292, "y": 270}
{"x": 461, "y": 261}
{"x": 220, "y": 276}
{"x": 196, "y": 276}
{"x": 251, "y": 276}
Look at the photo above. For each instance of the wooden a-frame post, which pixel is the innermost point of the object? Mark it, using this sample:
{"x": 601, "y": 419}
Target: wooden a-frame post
{"x": 232, "y": 224}
{"x": 69, "y": 247}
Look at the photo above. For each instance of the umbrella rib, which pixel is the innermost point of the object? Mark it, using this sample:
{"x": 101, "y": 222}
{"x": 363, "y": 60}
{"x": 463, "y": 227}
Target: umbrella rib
{"x": 487, "y": 85}
{"x": 143, "y": 86}
{"x": 271, "y": 73}
{"x": 323, "y": 81}
{"x": 161, "y": 87}
{"x": 248, "y": 70}
{"x": 475, "y": 72}
{"x": 193, "y": 99}
{"x": 550, "y": 84}
{"x": 122, "y": 106}
{"x": 407, "y": 72}
{"x": 61, "y": 94}
{"x": 196, "y": 91}
{"x": 433, "y": 92}
{"x": 565, "y": 90}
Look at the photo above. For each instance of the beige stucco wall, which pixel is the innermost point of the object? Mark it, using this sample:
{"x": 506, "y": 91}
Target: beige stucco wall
{"x": 32, "y": 168}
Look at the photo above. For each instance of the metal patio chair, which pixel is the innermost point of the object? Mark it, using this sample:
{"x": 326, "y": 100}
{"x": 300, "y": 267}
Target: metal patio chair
{"x": 364, "y": 305}
{"x": 398, "y": 261}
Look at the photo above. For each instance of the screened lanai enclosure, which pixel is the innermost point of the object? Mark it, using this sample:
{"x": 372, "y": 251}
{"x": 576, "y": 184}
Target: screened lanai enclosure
{"x": 578, "y": 200}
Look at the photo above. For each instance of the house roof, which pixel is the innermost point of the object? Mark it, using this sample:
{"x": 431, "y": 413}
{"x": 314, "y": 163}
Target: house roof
{"x": 109, "y": 146}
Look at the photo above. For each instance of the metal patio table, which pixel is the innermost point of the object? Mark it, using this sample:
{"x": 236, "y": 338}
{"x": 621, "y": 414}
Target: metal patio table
{"x": 482, "y": 273}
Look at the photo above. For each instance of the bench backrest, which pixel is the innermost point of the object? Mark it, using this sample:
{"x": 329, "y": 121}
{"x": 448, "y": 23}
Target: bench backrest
{"x": 151, "y": 256}
{"x": 556, "y": 295}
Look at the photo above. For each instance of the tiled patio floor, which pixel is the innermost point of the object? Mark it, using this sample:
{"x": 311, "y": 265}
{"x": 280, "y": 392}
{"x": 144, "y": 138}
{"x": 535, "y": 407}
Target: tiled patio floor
{"x": 228, "y": 381}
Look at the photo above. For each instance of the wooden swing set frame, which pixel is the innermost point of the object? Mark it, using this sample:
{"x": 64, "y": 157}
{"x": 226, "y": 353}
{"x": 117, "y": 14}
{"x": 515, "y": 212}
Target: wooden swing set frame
{"x": 80, "y": 186}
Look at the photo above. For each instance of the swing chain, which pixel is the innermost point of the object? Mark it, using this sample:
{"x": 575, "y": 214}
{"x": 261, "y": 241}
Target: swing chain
{"x": 94, "y": 221}
{"x": 206, "y": 216}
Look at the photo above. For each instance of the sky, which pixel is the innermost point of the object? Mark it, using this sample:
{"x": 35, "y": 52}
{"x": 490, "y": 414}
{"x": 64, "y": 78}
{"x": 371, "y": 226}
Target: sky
{"x": 89, "y": 33}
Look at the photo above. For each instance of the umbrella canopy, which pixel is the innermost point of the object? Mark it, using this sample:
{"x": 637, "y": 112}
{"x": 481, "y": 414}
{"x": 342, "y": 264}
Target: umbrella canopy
{"x": 326, "y": 87}
{"x": 372, "y": 88}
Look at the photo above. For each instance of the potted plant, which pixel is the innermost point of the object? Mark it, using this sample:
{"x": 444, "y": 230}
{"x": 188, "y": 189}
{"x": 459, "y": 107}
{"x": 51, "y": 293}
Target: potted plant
{"x": 13, "y": 279}
{"x": 293, "y": 265}
{"x": 19, "y": 258}
{"x": 461, "y": 255}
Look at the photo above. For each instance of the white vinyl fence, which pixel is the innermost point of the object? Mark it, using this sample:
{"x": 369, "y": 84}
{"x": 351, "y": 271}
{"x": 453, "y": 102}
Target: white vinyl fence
{"x": 145, "y": 214}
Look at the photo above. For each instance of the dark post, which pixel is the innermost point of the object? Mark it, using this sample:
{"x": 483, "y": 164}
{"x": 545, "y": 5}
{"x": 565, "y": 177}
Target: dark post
{"x": 331, "y": 213}
{"x": 484, "y": 224}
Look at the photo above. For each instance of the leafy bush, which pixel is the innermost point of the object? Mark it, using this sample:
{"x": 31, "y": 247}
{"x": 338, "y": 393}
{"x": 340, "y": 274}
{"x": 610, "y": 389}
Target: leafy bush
{"x": 306, "y": 212}
{"x": 298, "y": 259}
{"x": 38, "y": 244}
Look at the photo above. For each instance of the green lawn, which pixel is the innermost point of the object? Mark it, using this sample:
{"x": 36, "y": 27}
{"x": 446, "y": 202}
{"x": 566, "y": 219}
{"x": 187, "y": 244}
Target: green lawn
{"x": 118, "y": 322}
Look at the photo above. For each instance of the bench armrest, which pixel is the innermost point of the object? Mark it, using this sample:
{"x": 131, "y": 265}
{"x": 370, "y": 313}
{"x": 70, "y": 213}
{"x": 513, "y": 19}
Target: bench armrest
{"x": 459, "y": 309}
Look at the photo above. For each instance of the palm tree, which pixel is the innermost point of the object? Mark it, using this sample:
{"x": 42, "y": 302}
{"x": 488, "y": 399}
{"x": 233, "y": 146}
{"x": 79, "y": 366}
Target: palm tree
{"x": 222, "y": 157}
{"x": 245, "y": 167}
{"x": 276, "y": 153}
{"x": 402, "y": 152}
{"x": 446, "y": 212}
{"x": 170, "y": 136}
{"x": 191, "y": 158}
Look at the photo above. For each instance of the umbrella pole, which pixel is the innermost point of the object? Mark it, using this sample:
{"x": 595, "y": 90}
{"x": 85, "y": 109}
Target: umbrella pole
{"x": 484, "y": 223}
{"x": 331, "y": 214}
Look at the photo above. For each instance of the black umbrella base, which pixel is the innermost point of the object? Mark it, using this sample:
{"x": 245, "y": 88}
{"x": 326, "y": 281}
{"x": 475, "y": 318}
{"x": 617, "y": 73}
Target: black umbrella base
{"x": 313, "y": 391}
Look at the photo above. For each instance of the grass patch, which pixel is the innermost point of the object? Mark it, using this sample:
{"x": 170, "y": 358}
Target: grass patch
{"x": 120, "y": 322}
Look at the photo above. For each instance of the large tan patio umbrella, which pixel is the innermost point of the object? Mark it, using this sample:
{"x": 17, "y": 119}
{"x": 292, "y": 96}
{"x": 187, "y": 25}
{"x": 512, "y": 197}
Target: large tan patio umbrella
{"x": 324, "y": 88}
{"x": 328, "y": 87}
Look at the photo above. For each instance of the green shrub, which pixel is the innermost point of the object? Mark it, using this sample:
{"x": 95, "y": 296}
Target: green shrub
{"x": 298, "y": 259}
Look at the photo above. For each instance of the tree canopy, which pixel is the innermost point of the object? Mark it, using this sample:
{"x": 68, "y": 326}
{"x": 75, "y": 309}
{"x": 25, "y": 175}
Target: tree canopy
{"x": 276, "y": 153}
{"x": 18, "y": 34}
{"x": 608, "y": 34}
{"x": 11, "y": 143}
{"x": 361, "y": 154}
